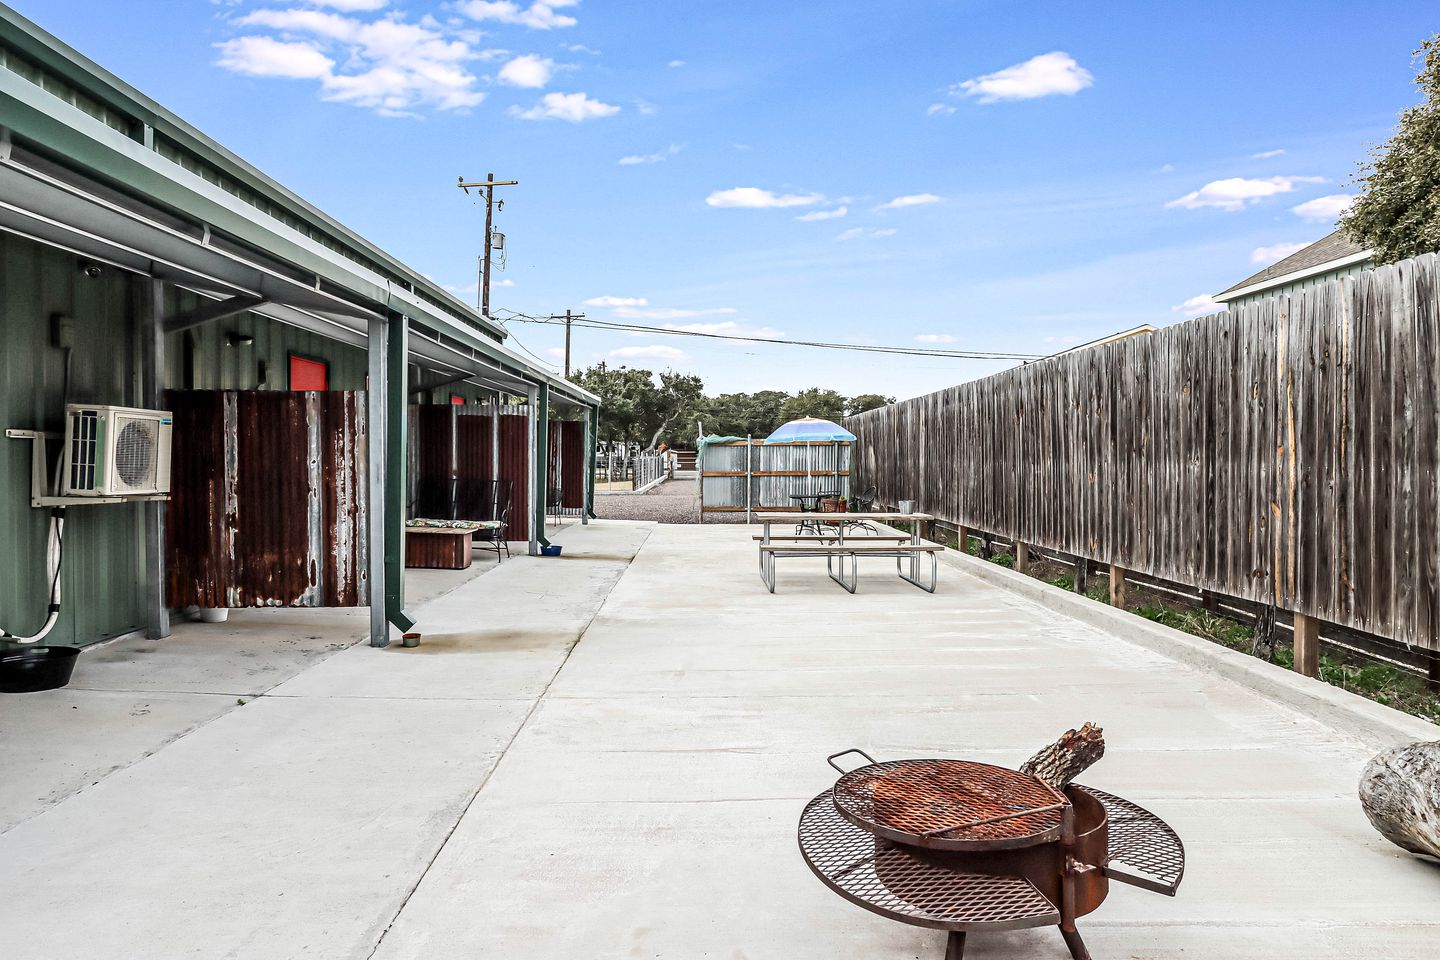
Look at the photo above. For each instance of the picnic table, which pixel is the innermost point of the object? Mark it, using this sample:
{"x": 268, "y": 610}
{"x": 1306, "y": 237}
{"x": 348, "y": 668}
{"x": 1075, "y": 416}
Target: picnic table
{"x": 834, "y": 544}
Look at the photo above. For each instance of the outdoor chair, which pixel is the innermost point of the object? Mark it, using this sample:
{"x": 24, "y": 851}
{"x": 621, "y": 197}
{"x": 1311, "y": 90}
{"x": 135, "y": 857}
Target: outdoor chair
{"x": 864, "y": 503}
{"x": 492, "y": 536}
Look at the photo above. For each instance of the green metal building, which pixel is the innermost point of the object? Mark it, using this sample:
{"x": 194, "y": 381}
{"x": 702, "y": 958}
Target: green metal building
{"x": 164, "y": 261}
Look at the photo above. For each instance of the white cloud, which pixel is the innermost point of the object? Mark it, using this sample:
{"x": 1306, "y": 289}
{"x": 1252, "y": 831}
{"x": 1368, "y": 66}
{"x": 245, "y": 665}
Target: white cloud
{"x": 527, "y": 71}
{"x": 1235, "y": 193}
{"x": 537, "y": 16}
{"x": 813, "y": 215}
{"x": 653, "y": 351}
{"x": 609, "y": 301}
{"x": 850, "y": 234}
{"x": 1266, "y": 154}
{"x": 854, "y": 233}
{"x": 936, "y": 338}
{"x": 675, "y": 63}
{"x": 1042, "y": 76}
{"x": 645, "y": 108}
{"x": 268, "y": 57}
{"x": 1274, "y": 252}
{"x": 668, "y": 313}
{"x": 507, "y": 282}
{"x": 884, "y": 232}
{"x": 659, "y": 156}
{"x": 388, "y": 65}
{"x": 570, "y": 107}
{"x": 1198, "y": 306}
{"x": 352, "y": 6}
{"x": 1324, "y": 209}
{"x": 581, "y": 48}
{"x": 754, "y": 198}
{"x": 939, "y": 109}
{"x": 913, "y": 200}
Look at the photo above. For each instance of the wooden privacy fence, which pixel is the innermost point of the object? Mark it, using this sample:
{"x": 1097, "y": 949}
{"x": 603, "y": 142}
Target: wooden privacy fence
{"x": 1284, "y": 452}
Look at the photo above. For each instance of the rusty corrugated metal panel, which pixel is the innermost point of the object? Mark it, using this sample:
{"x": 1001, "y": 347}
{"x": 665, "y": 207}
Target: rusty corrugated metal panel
{"x": 572, "y": 463}
{"x": 435, "y": 453}
{"x": 474, "y": 468}
{"x": 515, "y": 467}
{"x": 268, "y": 500}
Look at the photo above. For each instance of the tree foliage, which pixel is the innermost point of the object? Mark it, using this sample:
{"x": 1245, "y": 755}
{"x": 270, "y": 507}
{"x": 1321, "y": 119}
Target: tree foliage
{"x": 1397, "y": 212}
{"x": 647, "y": 408}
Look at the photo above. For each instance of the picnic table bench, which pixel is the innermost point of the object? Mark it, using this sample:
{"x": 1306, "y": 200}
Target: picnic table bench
{"x": 837, "y": 546}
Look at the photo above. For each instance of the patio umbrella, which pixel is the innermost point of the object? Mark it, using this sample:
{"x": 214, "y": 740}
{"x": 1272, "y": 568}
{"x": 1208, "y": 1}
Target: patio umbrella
{"x": 811, "y": 430}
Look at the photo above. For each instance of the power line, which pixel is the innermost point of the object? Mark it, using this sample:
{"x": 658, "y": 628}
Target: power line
{"x": 864, "y": 348}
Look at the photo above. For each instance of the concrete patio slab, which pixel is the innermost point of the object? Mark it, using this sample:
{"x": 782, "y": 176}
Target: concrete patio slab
{"x": 506, "y": 791}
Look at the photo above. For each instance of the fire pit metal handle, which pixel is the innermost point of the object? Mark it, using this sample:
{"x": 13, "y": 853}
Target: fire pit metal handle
{"x": 831, "y": 759}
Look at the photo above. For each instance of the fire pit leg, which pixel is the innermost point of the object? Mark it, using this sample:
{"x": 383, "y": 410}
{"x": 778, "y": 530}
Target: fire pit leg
{"x": 955, "y": 945}
{"x": 1076, "y": 945}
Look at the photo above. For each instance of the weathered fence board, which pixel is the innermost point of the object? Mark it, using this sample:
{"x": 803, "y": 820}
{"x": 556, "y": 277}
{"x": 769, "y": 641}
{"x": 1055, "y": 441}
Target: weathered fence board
{"x": 1285, "y": 452}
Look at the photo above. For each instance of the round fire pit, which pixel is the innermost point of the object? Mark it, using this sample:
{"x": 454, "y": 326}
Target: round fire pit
{"x": 959, "y": 845}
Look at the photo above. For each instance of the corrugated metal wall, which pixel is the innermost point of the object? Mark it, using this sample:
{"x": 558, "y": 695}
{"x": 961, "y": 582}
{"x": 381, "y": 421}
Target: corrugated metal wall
{"x": 777, "y": 471}
{"x": 572, "y": 463}
{"x": 203, "y": 358}
{"x": 269, "y": 500}
{"x": 102, "y": 574}
{"x": 515, "y": 466}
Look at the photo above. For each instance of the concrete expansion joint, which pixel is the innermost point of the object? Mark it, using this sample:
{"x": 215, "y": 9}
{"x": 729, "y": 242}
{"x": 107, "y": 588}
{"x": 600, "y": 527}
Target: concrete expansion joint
{"x": 504, "y": 752}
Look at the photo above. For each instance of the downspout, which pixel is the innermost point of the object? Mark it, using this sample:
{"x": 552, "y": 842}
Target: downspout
{"x": 541, "y": 452}
{"x": 397, "y": 398}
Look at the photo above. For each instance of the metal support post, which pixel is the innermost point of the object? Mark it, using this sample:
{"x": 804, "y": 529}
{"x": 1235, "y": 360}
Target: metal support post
{"x": 152, "y": 366}
{"x": 587, "y": 502}
{"x": 396, "y": 455}
{"x": 378, "y": 337}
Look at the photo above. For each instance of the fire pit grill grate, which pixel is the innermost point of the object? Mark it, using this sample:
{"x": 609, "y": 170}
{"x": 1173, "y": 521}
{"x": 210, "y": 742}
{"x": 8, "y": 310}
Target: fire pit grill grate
{"x": 1141, "y": 840}
{"x": 950, "y": 804}
{"x": 888, "y": 879}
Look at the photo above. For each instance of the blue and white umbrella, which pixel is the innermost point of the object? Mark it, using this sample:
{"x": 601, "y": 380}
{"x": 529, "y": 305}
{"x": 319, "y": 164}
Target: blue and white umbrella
{"x": 809, "y": 430}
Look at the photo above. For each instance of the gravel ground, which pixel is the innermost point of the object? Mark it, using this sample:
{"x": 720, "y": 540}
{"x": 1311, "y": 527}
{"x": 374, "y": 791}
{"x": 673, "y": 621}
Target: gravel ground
{"x": 674, "y": 501}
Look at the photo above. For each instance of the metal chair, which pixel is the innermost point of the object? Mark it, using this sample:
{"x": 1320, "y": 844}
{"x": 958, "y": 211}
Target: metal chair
{"x": 498, "y": 509}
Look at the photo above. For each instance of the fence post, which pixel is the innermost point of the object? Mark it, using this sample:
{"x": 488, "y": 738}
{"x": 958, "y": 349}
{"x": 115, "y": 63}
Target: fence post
{"x": 1082, "y": 570}
{"x": 1022, "y": 557}
{"x": 962, "y": 539}
{"x": 1117, "y": 586}
{"x": 1307, "y": 645}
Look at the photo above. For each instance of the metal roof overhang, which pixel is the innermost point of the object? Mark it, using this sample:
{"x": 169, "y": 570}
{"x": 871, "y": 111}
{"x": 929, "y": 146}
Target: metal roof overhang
{"x": 189, "y": 237}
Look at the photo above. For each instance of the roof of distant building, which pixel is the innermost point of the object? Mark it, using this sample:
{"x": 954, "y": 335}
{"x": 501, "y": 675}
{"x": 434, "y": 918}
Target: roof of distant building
{"x": 1327, "y": 253}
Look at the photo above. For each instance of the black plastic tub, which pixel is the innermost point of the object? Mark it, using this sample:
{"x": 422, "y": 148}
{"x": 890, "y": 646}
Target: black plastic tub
{"x": 28, "y": 669}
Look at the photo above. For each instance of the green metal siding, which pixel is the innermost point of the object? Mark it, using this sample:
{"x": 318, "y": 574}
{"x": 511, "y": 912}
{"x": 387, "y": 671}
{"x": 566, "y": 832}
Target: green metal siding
{"x": 102, "y": 574}
{"x": 202, "y": 358}
{"x": 1319, "y": 279}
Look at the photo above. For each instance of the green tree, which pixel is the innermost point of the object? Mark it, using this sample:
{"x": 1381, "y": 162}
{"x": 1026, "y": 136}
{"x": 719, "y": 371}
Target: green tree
{"x": 866, "y": 401}
{"x": 627, "y": 399}
{"x": 1397, "y": 212}
{"x": 824, "y": 404}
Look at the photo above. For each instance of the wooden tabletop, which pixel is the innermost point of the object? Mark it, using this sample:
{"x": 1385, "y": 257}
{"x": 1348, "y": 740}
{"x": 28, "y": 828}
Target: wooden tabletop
{"x": 806, "y": 517}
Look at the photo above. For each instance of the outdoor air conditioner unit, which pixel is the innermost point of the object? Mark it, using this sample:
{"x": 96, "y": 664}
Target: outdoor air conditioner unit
{"x": 116, "y": 451}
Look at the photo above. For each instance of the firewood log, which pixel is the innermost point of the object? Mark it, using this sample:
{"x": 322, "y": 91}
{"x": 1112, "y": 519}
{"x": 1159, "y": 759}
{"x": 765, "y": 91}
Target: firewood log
{"x": 1400, "y": 791}
{"x": 1068, "y": 757}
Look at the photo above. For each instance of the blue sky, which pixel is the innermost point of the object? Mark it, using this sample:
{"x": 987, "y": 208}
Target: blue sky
{"x": 1062, "y": 170}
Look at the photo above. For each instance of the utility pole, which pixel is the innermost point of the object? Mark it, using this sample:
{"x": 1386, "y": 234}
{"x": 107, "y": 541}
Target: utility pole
{"x": 568, "y": 318}
{"x": 487, "y": 186}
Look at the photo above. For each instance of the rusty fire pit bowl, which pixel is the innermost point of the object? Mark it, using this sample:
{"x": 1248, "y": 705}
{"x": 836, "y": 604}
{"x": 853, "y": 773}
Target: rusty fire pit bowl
{"x": 963, "y": 846}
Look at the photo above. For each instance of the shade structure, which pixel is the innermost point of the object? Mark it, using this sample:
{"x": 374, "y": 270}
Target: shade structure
{"x": 809, "y": 430}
